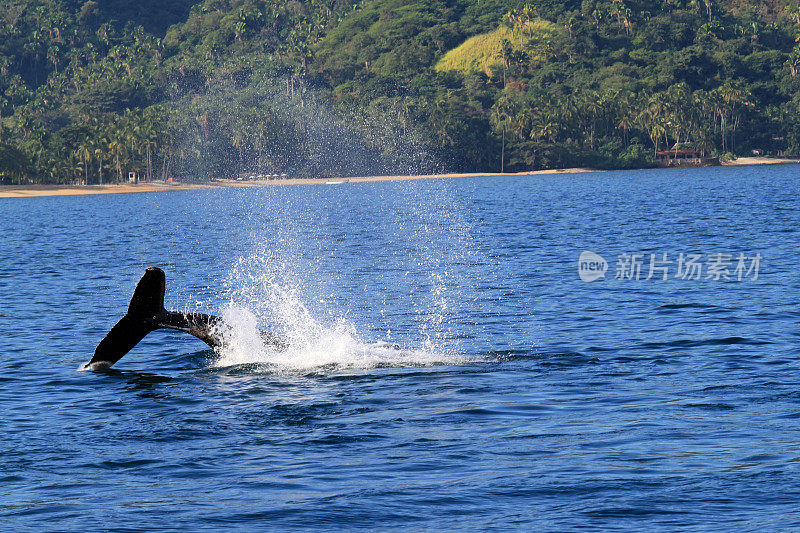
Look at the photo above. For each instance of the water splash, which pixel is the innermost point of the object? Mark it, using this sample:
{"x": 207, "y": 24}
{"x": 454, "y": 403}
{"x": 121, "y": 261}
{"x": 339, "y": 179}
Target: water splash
{"x": 263, "y": 297}
{"x": 221, "y": 132}
{"x": 413, "y": 289}
{"x": 312, "y": 345}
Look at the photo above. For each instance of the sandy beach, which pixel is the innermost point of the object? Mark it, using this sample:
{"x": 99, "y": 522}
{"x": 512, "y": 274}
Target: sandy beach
{"x": 760, "y": 161}
{"x": 28, "y": 191}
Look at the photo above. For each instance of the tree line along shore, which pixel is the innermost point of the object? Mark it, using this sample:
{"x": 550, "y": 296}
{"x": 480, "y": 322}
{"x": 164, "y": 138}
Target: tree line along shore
{"x": 93, "y": 91}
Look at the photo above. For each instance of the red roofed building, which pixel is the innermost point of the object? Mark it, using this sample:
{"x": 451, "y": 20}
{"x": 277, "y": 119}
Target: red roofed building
{"x": 684, "y": 157}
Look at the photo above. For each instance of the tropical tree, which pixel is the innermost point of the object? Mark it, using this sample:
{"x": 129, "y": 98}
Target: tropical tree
{"x": 84, "y": 153}
{"x": 117, "y": 149}
{"x": 100, "y": 145}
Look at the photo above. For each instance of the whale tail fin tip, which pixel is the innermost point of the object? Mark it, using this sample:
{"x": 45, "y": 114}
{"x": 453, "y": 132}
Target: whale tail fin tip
{"x": 148, "y": 298}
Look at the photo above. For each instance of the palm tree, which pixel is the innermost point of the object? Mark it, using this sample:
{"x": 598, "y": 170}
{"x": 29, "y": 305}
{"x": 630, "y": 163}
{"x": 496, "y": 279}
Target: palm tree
{"x": 622, "y": 13}
{"x": 52, "y": 55}
{"x": 678, "y": 105}
{"x": 709, "y": 4}
{"x": 501, "y": 117}
{"x": 149, "y": 143}
{"x": 143, "y": 129}
{"x": 100, "y": 146}
{"x": 794, "y": 61}
{"x": 239, "y": 30}
{"x": 116, "y": 148}
{"x": 238, "y": 139}
{"x": 626, "y": 121}
{"x": 84, "y": 152}
{"x": 727, "y": 98}
{"x": 704, "y": 141}
{"x": 657, "y": 129}
{"x": 652, "y": 119}
{"x": 592, "y": 105}
{"x": 505, "y": 55}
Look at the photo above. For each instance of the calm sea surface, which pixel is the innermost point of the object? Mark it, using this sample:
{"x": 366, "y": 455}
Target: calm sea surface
{"x": 449, "y": 368}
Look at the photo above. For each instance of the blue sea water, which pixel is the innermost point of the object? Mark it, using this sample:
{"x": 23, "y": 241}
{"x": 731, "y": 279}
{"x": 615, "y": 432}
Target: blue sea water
{"x": 449, "y": 368}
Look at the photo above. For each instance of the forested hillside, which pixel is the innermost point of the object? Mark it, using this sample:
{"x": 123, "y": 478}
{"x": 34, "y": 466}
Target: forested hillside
{"x": 90, "y": 90}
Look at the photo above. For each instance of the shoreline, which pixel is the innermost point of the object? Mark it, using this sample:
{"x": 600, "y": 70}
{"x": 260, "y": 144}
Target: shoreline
{"x": 760, "y": 160}
{"x": 34, "y": 191}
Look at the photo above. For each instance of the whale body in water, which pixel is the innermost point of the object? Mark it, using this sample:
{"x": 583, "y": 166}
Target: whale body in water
{"x": 146, "y": 313}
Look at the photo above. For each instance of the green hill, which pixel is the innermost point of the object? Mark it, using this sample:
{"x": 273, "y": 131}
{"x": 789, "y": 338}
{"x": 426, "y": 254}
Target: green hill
{"x": 485, "y": 52}
{"x": 91, "y": 90}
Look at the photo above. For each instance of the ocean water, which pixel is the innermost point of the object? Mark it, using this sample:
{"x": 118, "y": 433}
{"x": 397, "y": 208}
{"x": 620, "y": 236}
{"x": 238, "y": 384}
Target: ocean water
{"x": 449, "y": 368}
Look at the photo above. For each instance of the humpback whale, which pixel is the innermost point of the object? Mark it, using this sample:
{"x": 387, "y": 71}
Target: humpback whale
{"x": 146, "y": 313}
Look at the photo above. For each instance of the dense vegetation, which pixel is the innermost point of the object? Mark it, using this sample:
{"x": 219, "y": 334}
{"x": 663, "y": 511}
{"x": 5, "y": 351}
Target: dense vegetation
{"x": 90, "y": 90}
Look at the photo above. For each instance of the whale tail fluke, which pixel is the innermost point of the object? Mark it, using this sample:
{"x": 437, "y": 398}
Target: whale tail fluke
{"x": 147, "y": 304}
{"x": 146, "y": 313}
